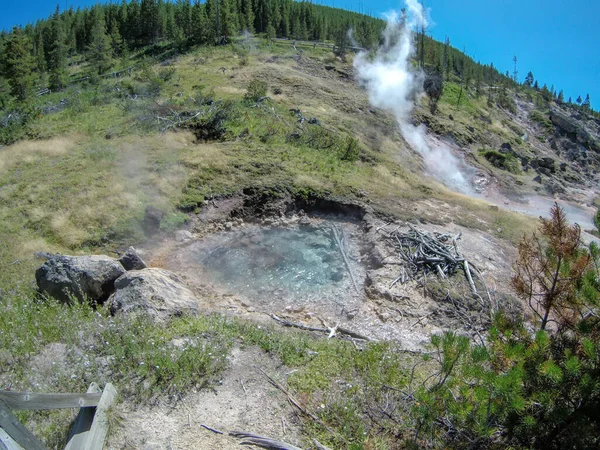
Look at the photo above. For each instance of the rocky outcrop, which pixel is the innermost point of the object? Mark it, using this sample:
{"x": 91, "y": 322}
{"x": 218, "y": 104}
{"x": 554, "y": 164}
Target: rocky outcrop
{"x": 564, "y": 122}
{"x": 156, "y": 292}
{"x": 86, "y": 278}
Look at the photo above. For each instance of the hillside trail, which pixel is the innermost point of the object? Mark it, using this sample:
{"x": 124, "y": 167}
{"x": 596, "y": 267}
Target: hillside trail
{"x": 243, "y": 400}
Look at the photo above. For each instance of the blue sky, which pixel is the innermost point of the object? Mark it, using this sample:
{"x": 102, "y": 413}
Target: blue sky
{"x": 558, "y": 41}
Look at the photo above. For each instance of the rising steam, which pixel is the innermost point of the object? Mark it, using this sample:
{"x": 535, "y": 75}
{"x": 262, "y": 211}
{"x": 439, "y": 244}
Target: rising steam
{"x": 393, "y": 84}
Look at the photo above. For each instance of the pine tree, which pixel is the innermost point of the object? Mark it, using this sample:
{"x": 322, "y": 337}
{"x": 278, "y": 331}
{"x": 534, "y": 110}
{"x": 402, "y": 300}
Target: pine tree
{"x": 183, "y": 17}
{"x": 529, "y": 79}
{"x": 19, "y": 65}
{"x": 150, "y": 22}
{"x": 213, "y": 24}
{"x": 100, "y": 49}
{"x": 57, "y": 52}
{"x": 247, "y": 16}
{"x": 561, "y": 97}
{"x": 586, "y": 103}
{"x": 202, "y": 29}
{"x": 133, "y": 34}
{"x": 227, "y": 19}
{"x": 578, "y": 100}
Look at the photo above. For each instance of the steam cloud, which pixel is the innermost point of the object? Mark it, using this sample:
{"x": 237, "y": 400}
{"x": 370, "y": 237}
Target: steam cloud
{"x": 393, "y": 84}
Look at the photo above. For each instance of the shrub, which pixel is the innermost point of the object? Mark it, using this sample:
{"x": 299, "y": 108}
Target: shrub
{"x": 504, "y": 161}
{"x": 256, "y": 90}
{"x": 518, "y": 388}
{"x": 350, "y": 149}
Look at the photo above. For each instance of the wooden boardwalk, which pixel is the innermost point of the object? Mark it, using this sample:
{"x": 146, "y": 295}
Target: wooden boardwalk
{"x": 87, "y": 433}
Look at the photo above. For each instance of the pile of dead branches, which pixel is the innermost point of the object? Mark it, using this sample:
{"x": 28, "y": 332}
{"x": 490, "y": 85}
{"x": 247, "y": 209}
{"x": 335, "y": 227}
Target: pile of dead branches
{"x": 424, "y": 253}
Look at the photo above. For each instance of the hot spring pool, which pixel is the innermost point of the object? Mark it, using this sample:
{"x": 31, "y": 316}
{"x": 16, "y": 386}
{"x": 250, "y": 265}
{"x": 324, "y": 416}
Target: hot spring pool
{"x": 294, "y": 265}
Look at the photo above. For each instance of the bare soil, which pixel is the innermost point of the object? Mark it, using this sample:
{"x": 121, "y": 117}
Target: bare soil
{"x": 243, "y": 401}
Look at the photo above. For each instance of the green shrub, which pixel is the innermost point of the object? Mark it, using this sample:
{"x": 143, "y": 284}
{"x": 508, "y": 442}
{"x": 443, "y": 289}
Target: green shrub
{"x": 350, "y": 149}
{"x": 504, "y": 161}
{"x": 542, "y": 120}
{"x": 256, "y": 89}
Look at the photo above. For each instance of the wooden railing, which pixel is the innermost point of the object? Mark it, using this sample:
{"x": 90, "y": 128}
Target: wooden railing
{"x": 87, "y": 433}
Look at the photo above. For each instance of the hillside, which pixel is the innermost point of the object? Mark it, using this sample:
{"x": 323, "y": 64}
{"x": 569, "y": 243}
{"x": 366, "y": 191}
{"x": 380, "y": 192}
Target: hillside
{"x": 189, "y": 151}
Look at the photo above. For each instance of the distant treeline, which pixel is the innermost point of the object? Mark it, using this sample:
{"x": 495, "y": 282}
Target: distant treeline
{"x": 37, "y": 55}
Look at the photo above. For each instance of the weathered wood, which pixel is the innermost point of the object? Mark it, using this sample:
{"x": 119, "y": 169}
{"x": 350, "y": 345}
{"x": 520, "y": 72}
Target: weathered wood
{"x": 34, "y": 401}
{"x": 99, "y": 429}
{"x": 262, "y": 441}
{"x": 17, "y": 431}
{"x": 338, "y": 240}
{"x": 81, "y": 427}
{"x": 8, "y": 443}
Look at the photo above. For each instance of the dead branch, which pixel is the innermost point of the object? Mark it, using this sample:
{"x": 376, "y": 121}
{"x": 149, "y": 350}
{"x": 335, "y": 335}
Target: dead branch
{"x": 340, "y": 243}
{"x": 214, "y": 430}
{"x": 262, "y": 441}
{"x": 327, "y": 330}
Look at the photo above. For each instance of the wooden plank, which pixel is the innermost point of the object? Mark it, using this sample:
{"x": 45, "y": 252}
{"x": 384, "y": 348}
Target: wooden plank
{"x": 17, "y": 430}
{"x": 81, "y": 427}
{"x": 8, "y": 443}
{"x": 99, "y": 429}
{"x": 31, "y": 400}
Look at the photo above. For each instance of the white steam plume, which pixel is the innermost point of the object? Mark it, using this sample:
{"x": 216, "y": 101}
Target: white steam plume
{"x": 393, "y": 84}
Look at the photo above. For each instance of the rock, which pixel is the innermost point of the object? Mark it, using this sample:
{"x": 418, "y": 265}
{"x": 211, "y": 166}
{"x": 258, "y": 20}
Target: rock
{"x": 131, "y": 260}
{"x": 563, "y": 167}
{"x": 544, "y": 163}
{"x": 538, "y": 179}
{"x": 85, "y": 277}
{"x": 563, "y": 122}
{"x": 506, "y": 148}
{"x": 157, "y": 292}
{"x": 450, "y": 117}
{"x": 314, "y": 121}
{"x": 554, "y": 187}
{"x": 183, "y": 236}
{"x": 384, "y": 316}
{"x": 228, "y": 226}
{"x": 305, "y": 220}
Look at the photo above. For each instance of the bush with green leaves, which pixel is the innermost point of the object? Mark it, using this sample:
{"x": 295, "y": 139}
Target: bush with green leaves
{"x": 521, "y": 387}
{"x": 256, "y": 90}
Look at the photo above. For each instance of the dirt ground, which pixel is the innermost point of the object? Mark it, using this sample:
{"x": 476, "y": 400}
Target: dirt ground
{"x": 243, "y": 400}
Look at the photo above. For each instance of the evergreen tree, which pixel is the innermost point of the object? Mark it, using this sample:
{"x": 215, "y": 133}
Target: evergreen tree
{"x": 203, "y": 30}
{"x": 561, "y": 97}
{"x": 56, "y": 52}
{"x": 100, "y": 48}
{"x": 133, "y": 33}
{"x": 19, "y": 65}
{"x": 578, "y": 100}
{"x": 529, "y": 79}
{"x": 183, "y": 17}
{"x": 247, "y": 16}
{"x": 586, "y": 103}
{"x": 228, "y": 19}
{"x": 150, "y": 25}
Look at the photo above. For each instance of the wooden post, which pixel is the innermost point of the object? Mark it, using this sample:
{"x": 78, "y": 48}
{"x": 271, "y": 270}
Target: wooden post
{"x": 17, "y": 431}
{"x": 90, "y": 428}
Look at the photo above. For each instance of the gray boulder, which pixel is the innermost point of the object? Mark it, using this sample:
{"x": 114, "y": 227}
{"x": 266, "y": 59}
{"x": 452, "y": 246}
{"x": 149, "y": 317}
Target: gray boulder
{"x": 88, "y": 278}
{"x": 131, "y": 260}
{"x": 157, "y": 292}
